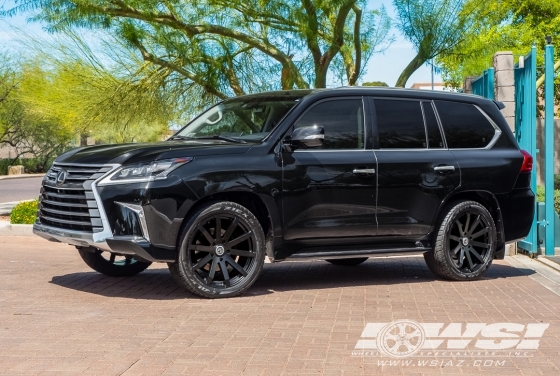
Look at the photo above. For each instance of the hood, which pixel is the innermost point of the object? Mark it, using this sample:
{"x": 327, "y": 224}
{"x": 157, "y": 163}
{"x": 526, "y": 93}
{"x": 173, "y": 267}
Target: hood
{"x": 147, "y": 152}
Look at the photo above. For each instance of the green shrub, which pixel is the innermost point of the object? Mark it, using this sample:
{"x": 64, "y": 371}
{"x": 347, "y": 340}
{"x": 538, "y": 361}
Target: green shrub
{"x": 31, "y": 165}
{"x": 540, "y": 197}
{"x": 24, "y": 213}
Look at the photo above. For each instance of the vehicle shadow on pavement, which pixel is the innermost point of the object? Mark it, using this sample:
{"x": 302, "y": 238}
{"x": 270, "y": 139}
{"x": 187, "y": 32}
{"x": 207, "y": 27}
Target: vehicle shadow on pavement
{"x": 157, "y": 284}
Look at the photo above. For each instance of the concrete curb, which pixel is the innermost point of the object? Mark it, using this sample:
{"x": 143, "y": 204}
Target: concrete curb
{"x": 547, "y": 262}
{"x": 7, "y": 229}
{"x": 6, "y": 207}
{"x": 5, "y": 177}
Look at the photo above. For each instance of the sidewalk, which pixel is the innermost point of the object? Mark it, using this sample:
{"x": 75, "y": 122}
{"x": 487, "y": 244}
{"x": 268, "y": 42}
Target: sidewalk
{"x": 58, "y": 317}
{"x": 4, "y": 177}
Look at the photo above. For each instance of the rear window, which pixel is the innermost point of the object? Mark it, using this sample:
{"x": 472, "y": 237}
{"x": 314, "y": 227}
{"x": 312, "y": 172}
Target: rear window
{"x": 400, "y": 124}
{"x": 464, "y": 126}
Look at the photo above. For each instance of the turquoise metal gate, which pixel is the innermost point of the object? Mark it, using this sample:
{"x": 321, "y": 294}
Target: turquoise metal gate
{"x": 484, "y": 85}
{"x": 525, "y": 75}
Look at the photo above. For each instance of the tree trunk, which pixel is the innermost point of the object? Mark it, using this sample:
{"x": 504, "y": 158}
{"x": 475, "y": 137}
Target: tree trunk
{"x": 321, "y": 76}
{"x": 410, "y": 69}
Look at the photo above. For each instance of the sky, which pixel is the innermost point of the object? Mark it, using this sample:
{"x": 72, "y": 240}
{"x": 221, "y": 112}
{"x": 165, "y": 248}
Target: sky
{"x": 386, "y": 66}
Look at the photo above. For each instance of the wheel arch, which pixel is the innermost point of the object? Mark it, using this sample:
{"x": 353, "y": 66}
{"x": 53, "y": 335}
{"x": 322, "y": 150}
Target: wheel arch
{"x": 252, "y": 201}
{"x": 489, "y": 201}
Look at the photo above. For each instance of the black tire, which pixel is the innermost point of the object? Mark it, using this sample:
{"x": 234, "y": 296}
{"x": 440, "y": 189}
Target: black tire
{"x": 348, "y": 261}
{"x": 205, "y": 269}
{"x": 115, "y": 265}
{"x": 464, "y": 244}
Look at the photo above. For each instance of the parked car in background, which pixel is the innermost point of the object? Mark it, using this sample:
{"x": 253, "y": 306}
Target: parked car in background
{"x": 339, "y": 174}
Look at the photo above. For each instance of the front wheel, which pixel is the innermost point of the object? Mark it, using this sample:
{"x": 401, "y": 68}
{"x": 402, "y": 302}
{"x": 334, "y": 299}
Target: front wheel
{"x": 465, "y": 243}
{"x": 221, "y": 251}
{"x": 113, "y": 265}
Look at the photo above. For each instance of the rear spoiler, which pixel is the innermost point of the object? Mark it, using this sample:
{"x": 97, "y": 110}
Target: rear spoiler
{"x": 500, "y": 105}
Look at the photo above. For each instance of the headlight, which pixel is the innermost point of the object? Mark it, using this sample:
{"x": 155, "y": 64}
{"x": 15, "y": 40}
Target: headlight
{"x": 145, "y": 172}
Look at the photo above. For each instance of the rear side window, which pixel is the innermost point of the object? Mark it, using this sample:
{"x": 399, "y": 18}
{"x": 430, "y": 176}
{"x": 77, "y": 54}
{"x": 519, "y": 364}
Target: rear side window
{"x": 400, "y": 124}
{"x": 465, "y": 127}
{"x": 435, "y": 141}
{"x": 343, "y": 121}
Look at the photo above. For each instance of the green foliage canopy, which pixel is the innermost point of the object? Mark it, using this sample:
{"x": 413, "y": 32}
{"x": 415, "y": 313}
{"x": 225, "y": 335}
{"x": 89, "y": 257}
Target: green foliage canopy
{"x": 233, "y": 47}
{"x": 434, "y": 27}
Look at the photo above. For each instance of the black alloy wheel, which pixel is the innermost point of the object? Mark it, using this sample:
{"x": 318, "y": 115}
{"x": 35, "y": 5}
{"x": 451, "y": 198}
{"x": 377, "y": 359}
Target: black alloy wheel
{"x": 465, "y": 243}
{"x": 112, "y": 264}
{"x": 222, "y": 252}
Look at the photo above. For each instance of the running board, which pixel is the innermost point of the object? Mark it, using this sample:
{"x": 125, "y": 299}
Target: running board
{"x": 359, "y": 253}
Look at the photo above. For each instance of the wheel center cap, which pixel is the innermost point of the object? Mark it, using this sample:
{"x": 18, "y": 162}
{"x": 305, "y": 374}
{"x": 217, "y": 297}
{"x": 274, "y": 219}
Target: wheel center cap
{"x": 465, "y": 241}
{"x": 219, "y": 249}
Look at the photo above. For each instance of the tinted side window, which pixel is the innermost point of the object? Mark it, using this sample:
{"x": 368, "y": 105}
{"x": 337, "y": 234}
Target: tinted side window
{"x": 464, "y": 126}
{"x": 435, "y": 141}
{"x": 400, "y": 124}
{"x": 343, "y": 121}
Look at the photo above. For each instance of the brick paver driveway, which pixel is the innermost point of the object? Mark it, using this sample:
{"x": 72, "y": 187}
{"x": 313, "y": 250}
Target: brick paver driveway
{"x": 58, "y": 317}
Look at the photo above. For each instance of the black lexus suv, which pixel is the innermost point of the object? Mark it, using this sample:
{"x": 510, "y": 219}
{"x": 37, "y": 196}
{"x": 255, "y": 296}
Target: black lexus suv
{"x": 338, "y": 174}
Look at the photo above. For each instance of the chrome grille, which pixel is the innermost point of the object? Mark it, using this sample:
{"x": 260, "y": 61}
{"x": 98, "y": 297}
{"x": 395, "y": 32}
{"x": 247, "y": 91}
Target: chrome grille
{"x": 67, "y": 202}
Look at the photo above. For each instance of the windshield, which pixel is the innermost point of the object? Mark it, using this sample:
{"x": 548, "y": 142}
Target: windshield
{"x": 240, "y": 120}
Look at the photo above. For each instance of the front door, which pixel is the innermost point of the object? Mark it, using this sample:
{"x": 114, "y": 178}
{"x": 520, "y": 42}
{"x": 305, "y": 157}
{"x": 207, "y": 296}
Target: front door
{"x": 415, "y": 170}
{"x": 330, "y": 192}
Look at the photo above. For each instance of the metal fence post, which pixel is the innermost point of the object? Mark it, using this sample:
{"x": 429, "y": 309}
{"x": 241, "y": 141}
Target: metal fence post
{"x": 549, "y": 147}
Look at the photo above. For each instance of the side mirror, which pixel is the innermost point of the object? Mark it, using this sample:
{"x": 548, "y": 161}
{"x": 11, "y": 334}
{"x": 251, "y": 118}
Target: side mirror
{"x": 306, "y": 137}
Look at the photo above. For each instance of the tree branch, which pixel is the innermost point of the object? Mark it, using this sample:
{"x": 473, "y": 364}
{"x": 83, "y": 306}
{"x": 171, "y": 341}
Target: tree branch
{"x": 166, "y": 64}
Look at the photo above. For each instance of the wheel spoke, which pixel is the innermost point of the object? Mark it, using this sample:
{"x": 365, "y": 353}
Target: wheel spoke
{"x": 112, "y": 258}
{"x": 212, "y": 272}
{"x": 206, "y": 235}
{"x": 480, "y": 244}
{"x": 475, "y": 253}
{"x": 454, "y": 252}
{"x": 235, "y": 265}
{"x": 454, "y": 237}
{"x": 415, "y": 333}
{"x": 409, "y": 346}
{"x": 396, "y": 346}
{"x": 460, "y": 226}
{"x": 202, "y": 248}
{"x": 481, "y": 232}
{"x": 467, "y": 222}
{"x": 203, "y": 262}
{"x": 239, "y": 239}
{"x": 469, "y": 260}
{"x": 238, "y": 252}
{"x": 218, "y": 234}
{"x": 461, "y": 258}
{"x": 230, "y": 229}
{"x": 473, "y": 227}
{"x": 223, "y": 268}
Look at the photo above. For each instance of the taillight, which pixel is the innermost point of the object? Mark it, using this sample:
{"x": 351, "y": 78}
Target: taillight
{"x": 527, "y": 165}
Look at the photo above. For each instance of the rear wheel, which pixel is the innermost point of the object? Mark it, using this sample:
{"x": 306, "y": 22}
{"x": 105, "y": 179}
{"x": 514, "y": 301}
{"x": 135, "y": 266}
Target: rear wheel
{"x": 348, "y": 261}
{"x": 112, "y": 264}
{"x": 465, "y": 243}
{"x": 221, "y": 251}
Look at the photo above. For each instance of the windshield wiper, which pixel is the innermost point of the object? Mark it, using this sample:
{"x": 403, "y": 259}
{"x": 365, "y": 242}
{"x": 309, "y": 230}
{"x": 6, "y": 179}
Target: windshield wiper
{"x": 220, "y": 137}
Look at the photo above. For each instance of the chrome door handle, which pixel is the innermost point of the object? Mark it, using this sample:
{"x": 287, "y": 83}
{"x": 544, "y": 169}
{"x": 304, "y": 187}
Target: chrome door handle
{"x": 444, "y": 168}
{"x": 364, "y": 171}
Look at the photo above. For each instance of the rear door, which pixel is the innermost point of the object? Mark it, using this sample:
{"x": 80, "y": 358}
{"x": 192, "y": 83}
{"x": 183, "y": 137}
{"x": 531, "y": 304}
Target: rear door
{"x": 415, "y": 170}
